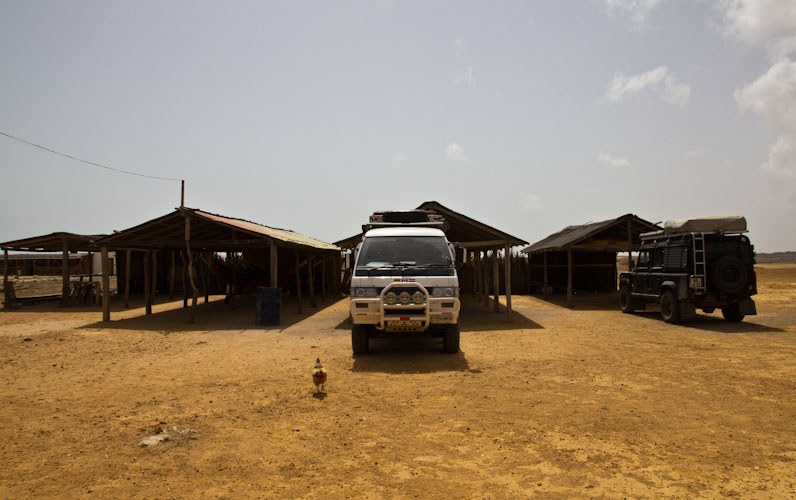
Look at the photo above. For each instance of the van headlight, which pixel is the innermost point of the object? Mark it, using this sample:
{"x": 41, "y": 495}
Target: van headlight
{"x": 364, "y": 292}
{"x": 445, "y": 291}
{"x": 390, "y": 298}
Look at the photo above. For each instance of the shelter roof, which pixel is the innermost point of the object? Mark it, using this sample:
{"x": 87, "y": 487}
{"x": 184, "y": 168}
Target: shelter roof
{"x": 54, "y": 242}
{"x": 208, "y": 232}
{"x": 571, "y": 236}
{"x": 467, "y": 232}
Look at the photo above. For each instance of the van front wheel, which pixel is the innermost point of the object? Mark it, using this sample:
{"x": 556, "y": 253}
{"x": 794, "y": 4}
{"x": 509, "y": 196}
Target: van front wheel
{"x": 450, "y": 339}
{"x": 359, "y": 339}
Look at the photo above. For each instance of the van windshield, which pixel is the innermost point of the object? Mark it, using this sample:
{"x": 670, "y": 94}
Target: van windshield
{"x": 404, "y": 251}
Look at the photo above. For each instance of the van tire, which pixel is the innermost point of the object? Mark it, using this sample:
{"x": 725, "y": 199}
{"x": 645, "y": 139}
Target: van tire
{"x": 450, "y": 339}
{"x": 626, "y": 303}
{"x": 359, "y": 339}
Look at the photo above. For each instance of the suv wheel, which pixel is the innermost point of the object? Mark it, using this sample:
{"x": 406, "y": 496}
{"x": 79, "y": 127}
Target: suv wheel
{"x": 359, "y": 339}
{"x": 626, "y": 300}
{"x": 450, "y": 339}
{"x": 729, "y": 274}
{"x": 670, "y": 307}
{"x": 732, "y": 313}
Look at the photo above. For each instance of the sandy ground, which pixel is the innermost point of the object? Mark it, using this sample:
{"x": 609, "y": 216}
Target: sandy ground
{"x": 561, "y": 403}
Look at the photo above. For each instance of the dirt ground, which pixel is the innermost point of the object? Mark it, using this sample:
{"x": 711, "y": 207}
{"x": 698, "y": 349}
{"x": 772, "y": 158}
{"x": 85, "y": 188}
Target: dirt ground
{"x": 561, "y": 403}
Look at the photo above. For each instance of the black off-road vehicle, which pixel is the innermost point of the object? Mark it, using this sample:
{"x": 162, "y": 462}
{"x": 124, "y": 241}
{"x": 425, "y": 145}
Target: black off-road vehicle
{"x": 702, "y": 263}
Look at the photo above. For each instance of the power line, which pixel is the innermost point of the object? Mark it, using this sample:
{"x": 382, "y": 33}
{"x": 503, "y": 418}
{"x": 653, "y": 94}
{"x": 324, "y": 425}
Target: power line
{"x": 86, "y": 161}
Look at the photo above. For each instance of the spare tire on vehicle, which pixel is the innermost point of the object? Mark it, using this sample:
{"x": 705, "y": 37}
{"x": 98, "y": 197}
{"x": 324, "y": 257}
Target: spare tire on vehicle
{"x": 729, "y": 274}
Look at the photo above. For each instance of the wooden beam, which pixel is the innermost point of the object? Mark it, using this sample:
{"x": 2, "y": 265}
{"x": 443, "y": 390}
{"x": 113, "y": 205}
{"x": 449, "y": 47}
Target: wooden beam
{"x": 508, "y": 281}
{"x": 148, "y": 281}
{"x": 106, "y": 285}
{"x": 90, "y": 267}
{"x": 569, "y": 277}
{"x": 127, "y": 264}
{"x": 204, "y": 280}
{"x": 6, "y": 291}
{"x": 482, "y": 244}
{"x": 64, "y": 271}
{"x": 184, "y": 280}
{"x": 190, "y": 267}
{"x": 298, "y": 281}
{"x": 274, "y": 266}
{"x": 496, "y": 280}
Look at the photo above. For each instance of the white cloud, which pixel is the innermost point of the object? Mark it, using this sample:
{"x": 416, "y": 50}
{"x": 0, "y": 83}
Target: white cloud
{"x": 772, "y": 97}
{"x": 454, "y": 152}
{"x": 610, "y": 161}
{"x": 465, "y": 77}
{"x": 531, "y": 202}
{"x": 637, "y": 11}
{"x": 696, "y": 153}
{"x": 399, "y": 158}
{"x": 771, "y": 23}
{"x": 658, "y": 81}
{"x": 780, "y": 167}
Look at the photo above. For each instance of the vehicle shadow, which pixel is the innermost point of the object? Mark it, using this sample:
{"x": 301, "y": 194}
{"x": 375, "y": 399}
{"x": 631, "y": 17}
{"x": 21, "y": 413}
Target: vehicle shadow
{"x": 409, "y": 356}
{"x": 714, "y": 323}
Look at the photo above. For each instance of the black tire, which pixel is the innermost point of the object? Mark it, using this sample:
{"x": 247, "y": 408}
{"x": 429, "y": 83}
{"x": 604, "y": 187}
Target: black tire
{"x": 626, "y": 302}
{"x": 732, "y": 313}
{"x": 450, "y": 339}
{"x": 729, "y": 274}
{"x": 359, "y": 339}
{"x": 670, "y": 307}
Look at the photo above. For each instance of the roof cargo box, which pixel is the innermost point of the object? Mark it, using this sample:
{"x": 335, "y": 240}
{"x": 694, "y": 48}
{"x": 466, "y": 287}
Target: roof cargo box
{"x": 708, "y": 224}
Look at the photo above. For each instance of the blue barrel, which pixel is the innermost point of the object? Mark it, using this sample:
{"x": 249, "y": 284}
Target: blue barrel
{"x": 269, "y": 306}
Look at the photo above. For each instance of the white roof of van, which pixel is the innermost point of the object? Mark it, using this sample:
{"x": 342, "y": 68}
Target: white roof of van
{"x": 404, "y": 231}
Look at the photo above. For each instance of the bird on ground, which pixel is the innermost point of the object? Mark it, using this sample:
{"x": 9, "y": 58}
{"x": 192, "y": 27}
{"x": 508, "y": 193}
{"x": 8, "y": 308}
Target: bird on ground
{"x": 318, "y": 375}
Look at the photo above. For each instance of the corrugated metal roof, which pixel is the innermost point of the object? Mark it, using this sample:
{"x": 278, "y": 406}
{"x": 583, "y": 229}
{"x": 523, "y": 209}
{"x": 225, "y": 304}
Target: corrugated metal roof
{"x": 285, "y": 235}
{"x": 571, "y": 235}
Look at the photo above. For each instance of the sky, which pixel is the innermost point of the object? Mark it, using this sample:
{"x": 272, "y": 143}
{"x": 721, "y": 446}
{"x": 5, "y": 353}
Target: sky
{"x": 309, "y": 115}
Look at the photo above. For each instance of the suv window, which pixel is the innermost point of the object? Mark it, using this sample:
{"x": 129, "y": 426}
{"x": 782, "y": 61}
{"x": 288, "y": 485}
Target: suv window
{"x": 656, "y": 258}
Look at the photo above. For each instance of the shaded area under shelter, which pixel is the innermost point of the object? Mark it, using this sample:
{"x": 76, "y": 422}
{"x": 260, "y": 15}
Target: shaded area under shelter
{"x": 584, "y": 257}
{"x": 181, "y": 252}
{"x": 62, "y": 242}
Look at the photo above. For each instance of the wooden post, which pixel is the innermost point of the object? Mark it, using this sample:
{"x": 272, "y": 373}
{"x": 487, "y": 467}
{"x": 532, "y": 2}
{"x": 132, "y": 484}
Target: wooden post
{"x": 485, "y": 273}
{"x": 190, "y": 267}
{"x": 184, "y": 279}
{"x": 128, "y": 257}
{"x": 569, "y": 277}
{"x": 323, "y": 277}
{"x": 106, "y": 285}
{"x": 204, "y": 281}
{"x": 311, "y": 278}
{"x": 172, "y": 275}
{"x": 90, "y": 268}
{"x": 496, "y": 279}
{"x": 148, "y": 281}
{"x": 274, "y": 267}
{"x": 5, "y": 279}
{"x": 154, "y": 275}
{"x": 530, "y": 272}
{"x": 508, "y": 281}
{"x": 544, "y": 285}
{"x": 65, "y": 272}
{"x": 298, "y": 281}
